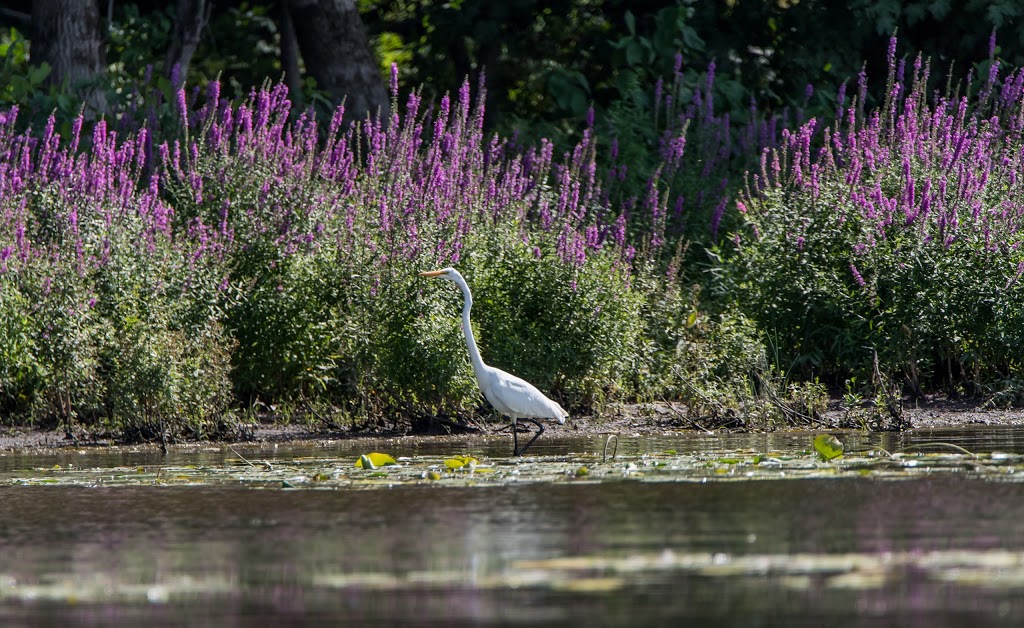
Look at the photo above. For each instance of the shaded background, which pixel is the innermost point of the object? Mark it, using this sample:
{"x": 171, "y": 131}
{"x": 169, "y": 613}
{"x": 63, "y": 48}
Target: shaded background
{"x": 546, "y": 63}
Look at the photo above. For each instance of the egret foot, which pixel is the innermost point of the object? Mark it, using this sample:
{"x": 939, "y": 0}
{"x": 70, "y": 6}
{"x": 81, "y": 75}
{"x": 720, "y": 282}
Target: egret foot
{"x": 516, "y": 451}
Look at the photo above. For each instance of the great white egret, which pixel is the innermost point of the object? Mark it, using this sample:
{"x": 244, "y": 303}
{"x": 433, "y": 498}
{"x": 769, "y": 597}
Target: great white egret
{"x": 510, "y": 395}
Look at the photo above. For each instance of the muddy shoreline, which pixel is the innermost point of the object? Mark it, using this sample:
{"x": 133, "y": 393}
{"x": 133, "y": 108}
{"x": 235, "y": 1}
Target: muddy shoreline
{"x": 635, "y": 420}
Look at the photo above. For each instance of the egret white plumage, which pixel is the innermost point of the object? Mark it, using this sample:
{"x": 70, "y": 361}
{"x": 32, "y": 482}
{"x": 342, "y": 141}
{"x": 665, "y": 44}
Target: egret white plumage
{"x": 510, "y": 395}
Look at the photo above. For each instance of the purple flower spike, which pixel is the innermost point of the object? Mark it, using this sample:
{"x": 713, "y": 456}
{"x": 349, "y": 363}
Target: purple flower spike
{"x": 857, "y": 276}
{"x": 182, "y": 107}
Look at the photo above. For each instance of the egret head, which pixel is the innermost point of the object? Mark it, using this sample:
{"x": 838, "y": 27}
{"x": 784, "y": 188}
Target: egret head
{"x": 445, "y": 273}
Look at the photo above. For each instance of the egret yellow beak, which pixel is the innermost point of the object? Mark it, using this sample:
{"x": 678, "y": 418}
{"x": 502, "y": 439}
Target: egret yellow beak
{"x": 431, "y": 273}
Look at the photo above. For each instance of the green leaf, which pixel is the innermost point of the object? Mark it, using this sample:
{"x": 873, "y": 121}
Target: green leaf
{"x": 634, "y": 53}
{"x": 38, "y": 74}
{"x": 374, "y": 460}
{"x": 459, "y": 462}
{"x": 828, "y": 446}
{"x": 630, "y": 22}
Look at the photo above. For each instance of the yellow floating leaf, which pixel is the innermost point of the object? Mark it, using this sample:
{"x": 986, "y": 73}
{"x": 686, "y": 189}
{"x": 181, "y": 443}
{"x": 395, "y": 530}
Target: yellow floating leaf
{"x": 458, "y": 462}
{"x": 374, "y": 460}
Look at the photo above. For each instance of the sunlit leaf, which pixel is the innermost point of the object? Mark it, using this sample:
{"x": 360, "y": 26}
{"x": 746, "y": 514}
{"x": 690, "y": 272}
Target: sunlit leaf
{"x": 828, "y": 446}
{"x": 374, "y": 460}
{"x": 458, "y": 462}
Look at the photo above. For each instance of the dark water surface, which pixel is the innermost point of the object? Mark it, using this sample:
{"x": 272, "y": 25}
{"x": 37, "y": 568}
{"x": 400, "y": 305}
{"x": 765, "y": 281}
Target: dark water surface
{"x": 945, "y": 549}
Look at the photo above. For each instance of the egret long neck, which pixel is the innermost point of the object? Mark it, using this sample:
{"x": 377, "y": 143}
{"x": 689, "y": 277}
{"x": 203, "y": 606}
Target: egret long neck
{"x": 474, "y": 353}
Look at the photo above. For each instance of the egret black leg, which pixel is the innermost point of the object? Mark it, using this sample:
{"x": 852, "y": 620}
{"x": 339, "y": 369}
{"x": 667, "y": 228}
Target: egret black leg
{"x": 515, "y": 436}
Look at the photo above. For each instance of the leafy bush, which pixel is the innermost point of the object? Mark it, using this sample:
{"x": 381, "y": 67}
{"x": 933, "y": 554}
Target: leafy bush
{"x": 245, "y": 255}
{"x": 571, "y": 330}
{"x": 899, "y": 235}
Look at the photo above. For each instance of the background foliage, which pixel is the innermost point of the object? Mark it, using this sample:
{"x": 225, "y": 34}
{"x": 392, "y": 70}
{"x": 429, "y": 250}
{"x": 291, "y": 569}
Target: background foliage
{"x": 686, "y": 201}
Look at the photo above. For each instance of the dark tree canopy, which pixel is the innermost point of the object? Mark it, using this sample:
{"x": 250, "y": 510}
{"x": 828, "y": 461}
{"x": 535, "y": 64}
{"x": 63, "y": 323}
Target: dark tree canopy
{"x": 546, "y": 61}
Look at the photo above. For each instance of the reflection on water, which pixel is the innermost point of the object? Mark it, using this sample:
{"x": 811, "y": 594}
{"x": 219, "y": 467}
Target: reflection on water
{"x": 850, "y": 551}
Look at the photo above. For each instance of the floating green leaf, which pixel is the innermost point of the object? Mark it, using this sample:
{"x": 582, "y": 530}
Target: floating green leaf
{"x": 459, "y": 462}
{"x": 374, "y": 460}
{"x": 828, "y": 446}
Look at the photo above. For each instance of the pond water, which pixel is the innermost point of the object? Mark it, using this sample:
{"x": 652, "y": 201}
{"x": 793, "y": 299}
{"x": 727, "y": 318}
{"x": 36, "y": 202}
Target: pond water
{"x": 741, "y": 530}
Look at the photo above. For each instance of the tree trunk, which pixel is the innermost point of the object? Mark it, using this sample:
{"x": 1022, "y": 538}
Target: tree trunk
{"x": 190, "y": 20}
{"x": 290, "y": 55}
{"x": 337, "y": 53}
{"x": 66, "y": 35}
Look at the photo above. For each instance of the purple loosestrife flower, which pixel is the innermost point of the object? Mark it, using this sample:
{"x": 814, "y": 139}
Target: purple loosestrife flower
{"x": 212, "y": 96}
{"x": 857, "y": 276}
{"x": 716, "y": 217}
{"x": 619, "y": 231}
{"x": 182, "y": 107}
{"x": 709, "y": 88}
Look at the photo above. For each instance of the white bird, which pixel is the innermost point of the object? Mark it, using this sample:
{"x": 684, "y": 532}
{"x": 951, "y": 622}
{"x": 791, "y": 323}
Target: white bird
{"x": 510, "y": 395}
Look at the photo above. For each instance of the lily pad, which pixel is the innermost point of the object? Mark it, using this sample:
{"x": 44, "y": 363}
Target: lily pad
{"x": 460, "y": 462}
{"x": 828, "y": 446}
{"x": 374, "y": 460}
